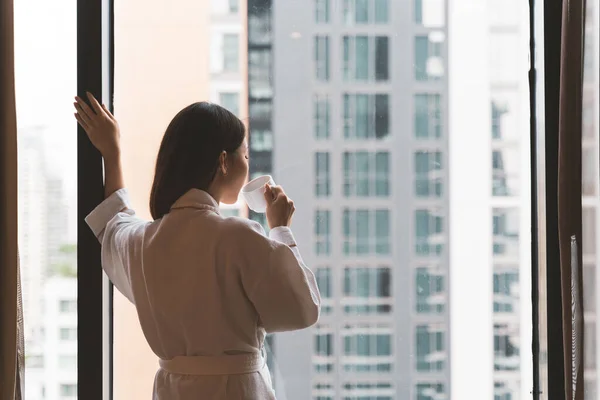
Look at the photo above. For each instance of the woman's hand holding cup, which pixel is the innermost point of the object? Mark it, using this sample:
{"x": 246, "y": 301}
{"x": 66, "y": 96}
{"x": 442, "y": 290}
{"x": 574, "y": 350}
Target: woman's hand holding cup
{"x": 280, "y": 208}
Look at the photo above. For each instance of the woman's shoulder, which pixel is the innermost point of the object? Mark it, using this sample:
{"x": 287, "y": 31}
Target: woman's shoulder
{"x": 242, "y": 226}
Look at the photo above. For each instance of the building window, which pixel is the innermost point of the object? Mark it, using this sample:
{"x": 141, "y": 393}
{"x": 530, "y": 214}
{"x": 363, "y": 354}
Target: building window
{"x": 322, "y": 58}
{"x": 367, "y": 348}
{"x": 365, "y": 58}
{"x": 322, "y": 232}
{"x": 322, "y": 11}
{"x": 589, "y": 161}
{"x": 68, "y": 306}
{"x": 368, "y": 391}
{"x": 68, "y": 390}
{"x": 231, "y": 52}
{"x": 366, "y": 116}
{"x": 429, "y": 64}
{"x": 430, "y": 290}
{"x": 234, "y": 6}
{"x": 324, "y": 344}
{"x": 430, "y": 391}
{"x": 323, "y": 276}
{"x": 430, "y": 346}
{"x": 430, "y": 13}
{"x": 429, "y": 232}
{"x": 498, "y": 112}
{"x": 68, "y": 334}
{"x": 365, "y": 11}
{"x": 321, "y": 116}
{"x": 322, "y": 174}
{"x": 588, "y": 241}
{"x": 366, "y": 232}
{"x": 260, "y": 74}
{"x": 428, "y": 116}
{"x": 505, "y": 171}
{"x": 506, "y": 289}
{"x": 506, "y": 347}
{"x": 366, "y": 174}
{"x": 506, "y": 232}
{"x": 230, "y": 101}
{"x": 367, "y": 290}
{"x": 428, "y": 174}
{"x": 261, "y": 140}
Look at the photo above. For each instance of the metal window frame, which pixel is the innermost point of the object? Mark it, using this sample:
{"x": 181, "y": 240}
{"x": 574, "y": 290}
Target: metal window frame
{"x": 95, "y": 38}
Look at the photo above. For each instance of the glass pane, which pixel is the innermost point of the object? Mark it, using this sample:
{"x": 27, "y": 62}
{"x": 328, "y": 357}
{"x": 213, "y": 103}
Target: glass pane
{"x": 424, "y": 182}
{"x": 45, "y": 83}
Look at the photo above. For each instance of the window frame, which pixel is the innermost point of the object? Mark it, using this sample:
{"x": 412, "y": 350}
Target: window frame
{"x": 95, "y": 43}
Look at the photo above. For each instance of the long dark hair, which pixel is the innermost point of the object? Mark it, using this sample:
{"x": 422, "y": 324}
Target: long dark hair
{"x": 189, "y": 153}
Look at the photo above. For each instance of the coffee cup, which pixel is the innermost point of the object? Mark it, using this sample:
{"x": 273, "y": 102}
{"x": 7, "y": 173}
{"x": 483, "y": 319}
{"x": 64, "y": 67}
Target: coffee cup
{"x": 253, "y": 193}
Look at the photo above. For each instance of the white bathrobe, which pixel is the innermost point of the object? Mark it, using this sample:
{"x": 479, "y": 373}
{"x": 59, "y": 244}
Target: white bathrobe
{"x": 205, "y": 285}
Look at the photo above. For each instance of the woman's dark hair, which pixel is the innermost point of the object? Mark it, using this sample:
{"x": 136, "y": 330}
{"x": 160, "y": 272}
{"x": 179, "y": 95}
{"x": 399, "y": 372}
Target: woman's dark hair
{"x": 189, "y": 153}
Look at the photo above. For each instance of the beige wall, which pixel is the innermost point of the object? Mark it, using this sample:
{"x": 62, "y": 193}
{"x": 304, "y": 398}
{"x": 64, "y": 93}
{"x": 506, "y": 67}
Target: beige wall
{"x": 161, "y": 65}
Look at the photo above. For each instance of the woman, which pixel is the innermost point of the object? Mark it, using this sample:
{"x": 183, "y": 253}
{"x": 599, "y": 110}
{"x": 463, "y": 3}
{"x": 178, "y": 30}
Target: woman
{"x": 206, "y": 288}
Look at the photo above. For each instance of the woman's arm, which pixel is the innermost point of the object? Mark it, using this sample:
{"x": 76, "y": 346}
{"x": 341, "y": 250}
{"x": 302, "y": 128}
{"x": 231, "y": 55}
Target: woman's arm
{"x": 113, "y": 174}
{"x": 103, "y": 131}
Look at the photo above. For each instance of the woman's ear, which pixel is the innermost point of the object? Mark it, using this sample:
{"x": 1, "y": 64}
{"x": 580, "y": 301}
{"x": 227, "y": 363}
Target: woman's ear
{"x": 223, "y": 162}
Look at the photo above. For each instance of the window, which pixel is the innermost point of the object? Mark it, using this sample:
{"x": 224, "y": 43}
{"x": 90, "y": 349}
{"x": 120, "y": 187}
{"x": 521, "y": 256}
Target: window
{"x": 68, "y": 334}
{"x": 430, "y": 344}
{"x": 428, "y": 116}
{"x": 261, "y": 140}
{"x": 505, "y": 171}
{"x": 430, "y": 391}
{"x": 230, "y": 101}
{"x": 324, "y": 344}
{"x": 429, "y": 64}
{"x": 506, "y": 232}
{"x": 321, "y": 116}
{"x": 366, "y": 174}
{"x": 68, "y": 390}
{"x": 428, "y": 174}
{"x": 322, "y": 232}
{"x": 367, "y": 290}
{"x": 260, "y": 73}
{"x": 68, "y": 306}
{"x": 231, "y": 58}
{"x": 365, "y": 58}
{"x": 322, "y": 58}
{"x": 506, "y": 347}
{"x": 506, "y": 289}
{"x": 497, "y": 112}
{"x": 358, "y": 229}
{"x": 429, "y": 232}
{"x": 365, "y": 11}
{"x": 322, "y": 11}
{"x": 430, "y": 13}
{"x": 430, "y": 290}
{"x": 366, "y": 116}
{"x": 323, "y": 276}
{"x": 322, "y": 177}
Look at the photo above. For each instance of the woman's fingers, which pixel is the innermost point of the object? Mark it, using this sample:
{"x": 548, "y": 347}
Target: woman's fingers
{"x": 83, "y": 115}
{"x": 89, "y": 113}
{"x": 108, "y": 113}
{"x": 83, "y": 124}
{"x": 97, "y": 107}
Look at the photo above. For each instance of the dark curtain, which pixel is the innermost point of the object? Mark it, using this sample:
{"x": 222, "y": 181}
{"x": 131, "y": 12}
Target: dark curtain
{"x": 11, "y": 316}
{"x": 569, "y": 193}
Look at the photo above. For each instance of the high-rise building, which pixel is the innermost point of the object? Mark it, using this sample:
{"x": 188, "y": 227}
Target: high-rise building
{"x": 400, "y": 129}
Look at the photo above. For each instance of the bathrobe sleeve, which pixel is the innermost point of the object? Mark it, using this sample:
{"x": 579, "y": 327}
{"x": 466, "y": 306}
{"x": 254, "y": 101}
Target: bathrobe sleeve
{"x": 277, "y": 281}
{"x": 120, "y": 234}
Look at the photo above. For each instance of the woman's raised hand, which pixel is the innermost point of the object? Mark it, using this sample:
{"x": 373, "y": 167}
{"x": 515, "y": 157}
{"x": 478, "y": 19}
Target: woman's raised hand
{"x": 100, "y": 125}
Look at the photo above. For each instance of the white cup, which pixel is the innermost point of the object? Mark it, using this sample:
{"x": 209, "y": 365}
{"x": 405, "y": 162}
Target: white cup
{"x": 253, "y": 193}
